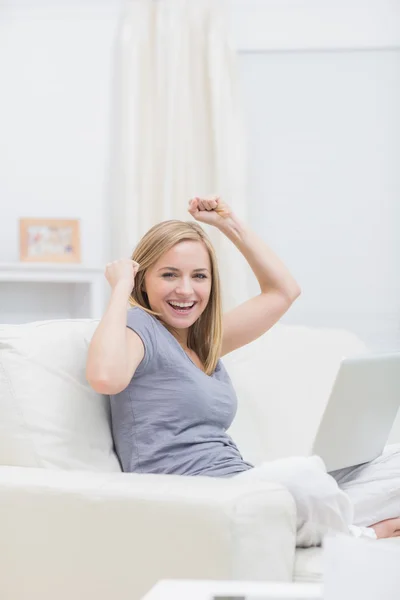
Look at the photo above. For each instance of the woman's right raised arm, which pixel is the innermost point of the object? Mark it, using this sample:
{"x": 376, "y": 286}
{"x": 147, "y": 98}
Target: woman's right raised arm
{"x": 115, "y": 351}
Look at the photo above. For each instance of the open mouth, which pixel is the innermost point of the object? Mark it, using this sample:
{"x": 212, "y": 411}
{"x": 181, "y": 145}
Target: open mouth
{"x": 182, "y": 308}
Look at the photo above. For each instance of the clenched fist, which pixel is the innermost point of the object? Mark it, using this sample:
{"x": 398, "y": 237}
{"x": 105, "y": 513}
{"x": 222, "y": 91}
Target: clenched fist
{"x": 121, "y": 271}
{"x": 211, "y": 210}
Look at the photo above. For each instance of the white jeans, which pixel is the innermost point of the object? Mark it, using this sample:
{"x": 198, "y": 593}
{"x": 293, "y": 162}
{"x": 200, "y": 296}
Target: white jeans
{"x": 347, "y": 501}
{"x": 373, "y": 488}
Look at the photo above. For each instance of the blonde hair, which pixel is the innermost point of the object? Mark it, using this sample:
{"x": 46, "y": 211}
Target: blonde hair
{"x": 205, "y": 335}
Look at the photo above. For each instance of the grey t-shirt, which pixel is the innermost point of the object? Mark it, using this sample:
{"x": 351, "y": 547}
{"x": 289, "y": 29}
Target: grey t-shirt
{"x": 172, "y": 418}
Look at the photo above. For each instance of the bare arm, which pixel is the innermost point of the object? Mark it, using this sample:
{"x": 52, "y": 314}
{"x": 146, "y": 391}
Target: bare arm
{"x": 278, "y": 289}
{"x": 115, "y": 351}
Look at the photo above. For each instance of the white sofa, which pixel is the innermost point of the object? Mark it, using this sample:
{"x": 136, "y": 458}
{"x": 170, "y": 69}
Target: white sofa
{"x": 74, "y": 526}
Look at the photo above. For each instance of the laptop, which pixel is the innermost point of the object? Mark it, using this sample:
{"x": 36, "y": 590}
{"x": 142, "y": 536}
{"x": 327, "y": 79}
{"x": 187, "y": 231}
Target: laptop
{"x": 361, "y": 410}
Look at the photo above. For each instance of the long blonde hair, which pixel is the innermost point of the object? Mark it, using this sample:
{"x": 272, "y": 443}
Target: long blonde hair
{"x": 205, "y": 335}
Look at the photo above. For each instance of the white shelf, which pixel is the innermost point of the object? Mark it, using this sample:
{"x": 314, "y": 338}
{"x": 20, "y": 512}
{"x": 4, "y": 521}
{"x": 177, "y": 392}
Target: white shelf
{"x": 51, "y": 272}
{"x": 205, "y": 590}
{"x": 40, "y": 291}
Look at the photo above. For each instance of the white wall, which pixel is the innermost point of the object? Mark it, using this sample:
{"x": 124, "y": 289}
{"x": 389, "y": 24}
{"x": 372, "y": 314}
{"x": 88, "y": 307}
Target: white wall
{"x": 55, "y": 66}
{"x": 321, "y": 85}
{"x": 324, "y": 142}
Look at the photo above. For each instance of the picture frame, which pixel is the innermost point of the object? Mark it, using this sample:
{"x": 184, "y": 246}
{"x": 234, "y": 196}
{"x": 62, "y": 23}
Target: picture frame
{"x": 49, "y": 240}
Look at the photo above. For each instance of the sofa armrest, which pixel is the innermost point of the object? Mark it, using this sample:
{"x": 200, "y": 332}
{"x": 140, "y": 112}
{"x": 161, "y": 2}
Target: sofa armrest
{"x": 89, "y": 535}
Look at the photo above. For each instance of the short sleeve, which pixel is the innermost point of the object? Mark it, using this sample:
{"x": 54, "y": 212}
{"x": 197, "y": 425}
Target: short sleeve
{"x": 142, "y": 323}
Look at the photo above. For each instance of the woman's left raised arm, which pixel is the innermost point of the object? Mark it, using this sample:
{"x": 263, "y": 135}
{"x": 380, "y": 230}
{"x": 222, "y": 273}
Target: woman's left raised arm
{"x": 278, "y": 288}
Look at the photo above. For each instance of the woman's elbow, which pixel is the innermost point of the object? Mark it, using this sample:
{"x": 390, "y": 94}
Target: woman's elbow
{"x": 296, "y": 293}
{"x": 99, "y": 385}
{"x": 97, "y": 379}
{"x": 105, "y": 386}
{"x": 292, "y": 294}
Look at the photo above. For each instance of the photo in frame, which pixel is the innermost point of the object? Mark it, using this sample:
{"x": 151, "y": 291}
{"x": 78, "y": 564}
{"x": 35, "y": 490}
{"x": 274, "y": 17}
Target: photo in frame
{"x": 49, "y": 240}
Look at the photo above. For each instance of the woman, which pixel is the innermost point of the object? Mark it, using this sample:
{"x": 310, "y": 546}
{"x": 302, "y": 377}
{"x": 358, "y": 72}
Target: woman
{"x": 171, "y": 397}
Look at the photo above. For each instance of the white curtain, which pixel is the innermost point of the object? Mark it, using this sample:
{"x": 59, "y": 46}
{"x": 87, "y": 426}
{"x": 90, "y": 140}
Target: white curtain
{"x": 177, "y": 126}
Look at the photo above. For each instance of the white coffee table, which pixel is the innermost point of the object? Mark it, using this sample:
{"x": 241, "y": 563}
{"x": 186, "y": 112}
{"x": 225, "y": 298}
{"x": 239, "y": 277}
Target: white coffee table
{"x": 244, "y": 590}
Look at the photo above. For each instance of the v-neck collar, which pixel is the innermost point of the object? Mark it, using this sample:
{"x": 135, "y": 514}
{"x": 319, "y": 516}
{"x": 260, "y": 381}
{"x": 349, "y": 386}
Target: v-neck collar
{"x": 185, "y": 353}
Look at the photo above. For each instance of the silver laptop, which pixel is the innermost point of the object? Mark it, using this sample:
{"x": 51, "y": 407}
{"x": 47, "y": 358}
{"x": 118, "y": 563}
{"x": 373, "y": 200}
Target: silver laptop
{"x": 361, "y": 410}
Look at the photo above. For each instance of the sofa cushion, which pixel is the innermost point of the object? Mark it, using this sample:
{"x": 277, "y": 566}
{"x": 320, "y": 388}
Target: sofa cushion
{"x": 308, "y": 565}
{"x": 283, "y": 381}
{"x": 49, "y": 415}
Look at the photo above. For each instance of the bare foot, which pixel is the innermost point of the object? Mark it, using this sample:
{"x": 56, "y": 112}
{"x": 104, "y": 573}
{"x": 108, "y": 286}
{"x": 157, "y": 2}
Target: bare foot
{"x": 387, "y": 529}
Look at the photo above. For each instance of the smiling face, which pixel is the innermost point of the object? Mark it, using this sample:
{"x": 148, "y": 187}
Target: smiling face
{"x": 178, "y": 285}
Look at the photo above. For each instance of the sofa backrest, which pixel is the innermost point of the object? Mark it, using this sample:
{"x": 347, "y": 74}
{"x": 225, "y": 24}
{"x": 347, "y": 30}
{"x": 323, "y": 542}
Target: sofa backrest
{"x": 283, "y": 381}
{"x": 49, "y": 415}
